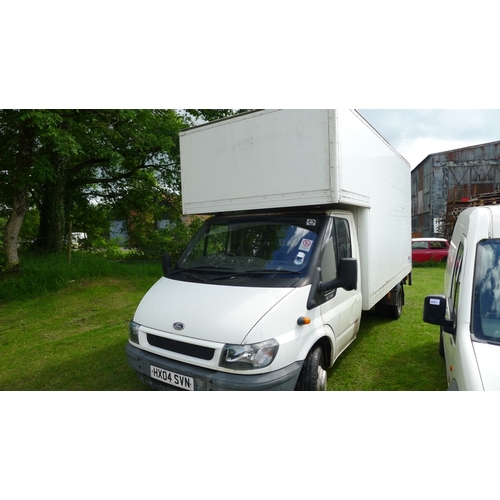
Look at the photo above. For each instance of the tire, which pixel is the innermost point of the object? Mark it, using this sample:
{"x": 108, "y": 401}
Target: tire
{"x": 313, "y": 375}
{"x": 395, "y": 311}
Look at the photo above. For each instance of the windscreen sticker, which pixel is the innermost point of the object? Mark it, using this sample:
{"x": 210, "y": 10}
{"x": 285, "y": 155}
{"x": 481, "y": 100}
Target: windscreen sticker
{"x": 299, "y": 259}
{"x": 305, "y": 245}
{"x": 310, "y": 222}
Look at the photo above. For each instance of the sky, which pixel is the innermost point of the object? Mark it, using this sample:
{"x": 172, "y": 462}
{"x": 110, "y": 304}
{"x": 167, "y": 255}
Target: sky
{"x": 417, "y": 133}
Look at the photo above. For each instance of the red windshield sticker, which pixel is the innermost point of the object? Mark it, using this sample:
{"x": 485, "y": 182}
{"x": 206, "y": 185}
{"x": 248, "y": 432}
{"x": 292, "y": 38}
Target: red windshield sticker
{"x": 306, "y": 245}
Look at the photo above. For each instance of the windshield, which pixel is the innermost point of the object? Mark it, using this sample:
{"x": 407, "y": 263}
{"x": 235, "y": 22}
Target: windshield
{"x": 486, "y": 298}
{"x": 264, "y": 246}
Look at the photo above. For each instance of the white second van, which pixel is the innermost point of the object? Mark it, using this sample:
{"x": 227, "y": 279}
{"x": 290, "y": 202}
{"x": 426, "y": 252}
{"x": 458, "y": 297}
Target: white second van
{"x": 469, "y": 311}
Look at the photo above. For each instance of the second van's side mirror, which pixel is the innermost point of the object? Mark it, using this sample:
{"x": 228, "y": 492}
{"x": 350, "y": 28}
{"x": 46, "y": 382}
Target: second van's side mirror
{"x": 435, "y": 312}
{"x": 347, "y": 277}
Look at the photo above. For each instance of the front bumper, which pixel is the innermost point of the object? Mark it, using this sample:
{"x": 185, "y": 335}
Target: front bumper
{"x": 211, "y": 380}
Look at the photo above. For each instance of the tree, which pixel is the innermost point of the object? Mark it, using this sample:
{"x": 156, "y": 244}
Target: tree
{"x": 117, "y": 148}
{"x": 18, "y": 140}
{"x": 19, "y": 186}
{"x": 67, "y": 162}
{"x": 64, "y": 158}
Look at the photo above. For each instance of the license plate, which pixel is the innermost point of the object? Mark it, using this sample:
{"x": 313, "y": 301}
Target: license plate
{"x": 172, "y": 378}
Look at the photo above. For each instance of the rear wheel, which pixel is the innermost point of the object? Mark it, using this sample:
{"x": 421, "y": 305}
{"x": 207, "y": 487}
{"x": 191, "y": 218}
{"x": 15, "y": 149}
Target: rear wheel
{"x": 313, "y": 375}
{"x": 395, "y": 311}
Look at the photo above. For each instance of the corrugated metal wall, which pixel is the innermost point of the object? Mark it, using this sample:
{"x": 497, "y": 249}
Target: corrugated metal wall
{"x": 445, "y": 181}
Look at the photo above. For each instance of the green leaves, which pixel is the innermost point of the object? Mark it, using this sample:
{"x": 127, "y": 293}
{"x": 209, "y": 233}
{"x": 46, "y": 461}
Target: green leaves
{"x": 209, "y": 115}
{"x": 66, "y": 162}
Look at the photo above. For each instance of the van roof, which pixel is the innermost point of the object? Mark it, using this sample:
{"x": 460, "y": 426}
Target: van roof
{"x": 479, "y": 222}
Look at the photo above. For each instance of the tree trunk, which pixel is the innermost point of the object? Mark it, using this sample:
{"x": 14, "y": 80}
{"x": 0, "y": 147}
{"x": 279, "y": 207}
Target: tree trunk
{"x": 51, "y": 230}
{"x": 12, "y": 229}
{"x": 52, "y": 218}
{"x": 20, "y": 195}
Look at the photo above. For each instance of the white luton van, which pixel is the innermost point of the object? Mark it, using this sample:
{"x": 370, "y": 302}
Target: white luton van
{"x": 310, "y": 224}
{"x": 469, "y": 310}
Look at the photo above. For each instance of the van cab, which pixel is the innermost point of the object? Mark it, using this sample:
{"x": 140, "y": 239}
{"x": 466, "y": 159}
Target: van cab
{"x": 256, "y": 302}
{"x": 469, "y": 310}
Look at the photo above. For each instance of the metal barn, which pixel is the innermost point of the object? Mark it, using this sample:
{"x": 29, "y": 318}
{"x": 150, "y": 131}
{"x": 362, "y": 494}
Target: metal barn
{"x": 445, "y": 183}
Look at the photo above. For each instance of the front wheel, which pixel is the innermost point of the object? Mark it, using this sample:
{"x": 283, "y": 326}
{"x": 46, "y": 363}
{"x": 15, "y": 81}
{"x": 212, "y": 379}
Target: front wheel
{"x": 313, "y": 374}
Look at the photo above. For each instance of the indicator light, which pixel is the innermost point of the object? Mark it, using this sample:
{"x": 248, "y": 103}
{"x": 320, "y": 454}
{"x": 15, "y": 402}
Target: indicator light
{"x": 303, "y": 320}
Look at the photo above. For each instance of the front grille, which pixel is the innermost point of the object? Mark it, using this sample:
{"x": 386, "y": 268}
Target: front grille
{"x": 195, "y": 351}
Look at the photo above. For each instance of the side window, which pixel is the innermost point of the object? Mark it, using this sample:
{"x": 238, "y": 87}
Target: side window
{"x": 455, "y": 282}
{"x": 343, "y": 238}
{"x": 337, "y": 247}
{"x": 438, "y": 245}
{"x": 485, "y": 304}
{"x": 329, "y": 261}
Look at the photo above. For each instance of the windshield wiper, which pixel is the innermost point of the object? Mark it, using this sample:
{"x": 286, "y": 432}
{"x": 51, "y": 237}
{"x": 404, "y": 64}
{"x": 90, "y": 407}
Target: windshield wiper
{"x": 204, "y": 269}
{"x": 188, "y": 274}
{"x": 275, "y": 271}
{"x": 193, "y": 272}
{"x": 247, "y": 274}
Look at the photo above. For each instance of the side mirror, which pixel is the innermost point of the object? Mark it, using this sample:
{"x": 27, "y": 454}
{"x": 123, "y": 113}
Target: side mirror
{"x": 435, "y": 312}
{"x": 166, "y": 264}
{"x": 347, "y": 277}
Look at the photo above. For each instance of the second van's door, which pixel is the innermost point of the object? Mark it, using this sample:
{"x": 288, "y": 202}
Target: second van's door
{"x": 453, "y": 293}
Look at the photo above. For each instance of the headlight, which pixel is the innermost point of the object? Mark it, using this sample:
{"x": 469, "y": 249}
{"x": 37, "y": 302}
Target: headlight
{"x": 133, "y": 331}
{"x": 249, "y": 357}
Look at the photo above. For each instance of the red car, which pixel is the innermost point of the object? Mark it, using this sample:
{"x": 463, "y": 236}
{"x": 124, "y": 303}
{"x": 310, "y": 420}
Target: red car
{"x": 424, "y": 249}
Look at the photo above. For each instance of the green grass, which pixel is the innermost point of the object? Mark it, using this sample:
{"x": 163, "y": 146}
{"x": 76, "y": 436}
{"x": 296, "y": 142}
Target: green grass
{"x": 70, "y": 333}
{"x": 71, "y": 340}
{"x": 396, "y": 355}
{"x": 69, "y": 330}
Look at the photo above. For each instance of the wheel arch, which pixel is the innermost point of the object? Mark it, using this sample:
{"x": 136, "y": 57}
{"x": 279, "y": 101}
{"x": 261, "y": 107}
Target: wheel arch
{"x": 326, "y": 344}
{"x": 324, "y": 338}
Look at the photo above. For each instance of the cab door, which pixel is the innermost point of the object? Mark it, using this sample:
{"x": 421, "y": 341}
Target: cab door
{"x": 340, "y": 309}
{"x": 450, "y": 344}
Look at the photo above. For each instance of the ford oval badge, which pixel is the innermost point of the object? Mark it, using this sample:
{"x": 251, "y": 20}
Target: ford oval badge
{"x": 179, "y": 326}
